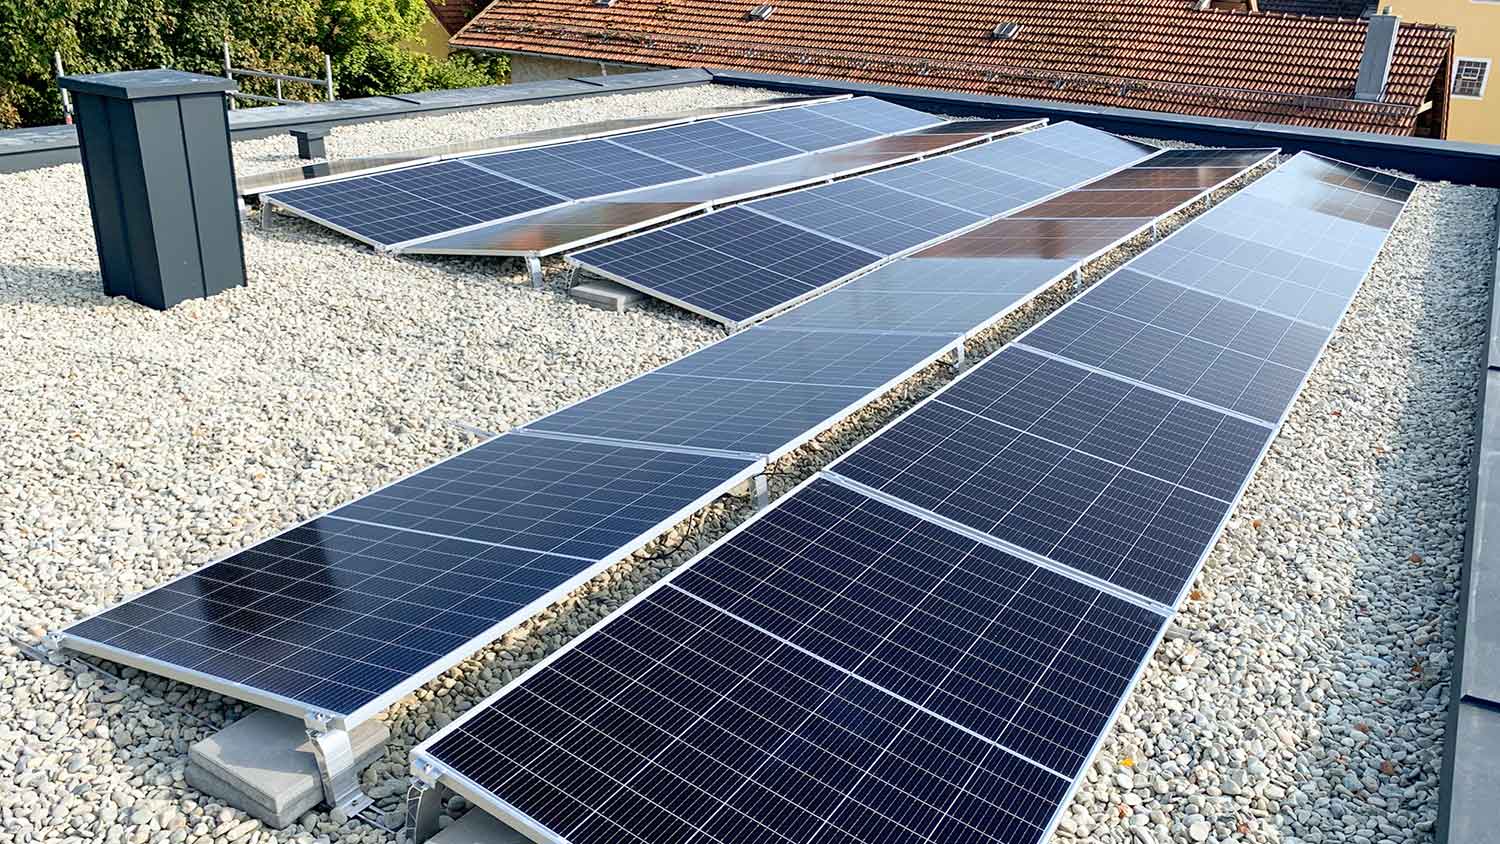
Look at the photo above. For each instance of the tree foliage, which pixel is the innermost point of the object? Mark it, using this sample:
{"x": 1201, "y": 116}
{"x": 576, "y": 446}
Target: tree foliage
{"x": 367, "y": 40}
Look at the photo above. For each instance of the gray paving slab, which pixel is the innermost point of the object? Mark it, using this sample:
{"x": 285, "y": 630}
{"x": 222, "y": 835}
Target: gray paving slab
{"x": 1481, "y": 652}
{"x": 263, "y": 764}
{"x": 478, "y": 827}
{"x": 1474, "y": 814}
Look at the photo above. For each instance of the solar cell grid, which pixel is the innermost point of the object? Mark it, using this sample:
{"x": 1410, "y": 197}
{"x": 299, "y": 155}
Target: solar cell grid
{"x": 1164, "y": 178}
{"x": 805, "y": 129}
{"x": 399, "y": 205}
{"x": 963, "y": 185}
{"x": 869, "y": 215}
{"x": 877, "y": 115}
{"x": 1364, "y": 180}
{"x": 1282, "y": 282}
{"x": 332, "y": 613}
{"x": 553, "y": 229}
{"x": 1302, "y": 231}
{"x": 1031, "y": 157}
{"x": 854, "y": 306}
{"x": 1237, "y": 158}
{"x": 920, "y": 274}
{"x": 586, "y": 168}
{"x": 573, "y": 498}
{"x": 732, "y": 265}
{"x": 1343, "y": 203}
{"x": 1020, "y": 655}
{"x": 1022, "y": 237}
{"x": 1190, "y": 343}
{"x": 708, "y": 147}
{"x": 1100, "y": 203}
{"x": 1116, "y": 481}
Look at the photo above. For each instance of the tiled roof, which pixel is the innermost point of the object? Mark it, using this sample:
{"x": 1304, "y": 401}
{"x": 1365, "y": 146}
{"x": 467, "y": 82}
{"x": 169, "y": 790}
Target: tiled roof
{"x": 1153, "y": 54}
{"x": 453, "y": 14}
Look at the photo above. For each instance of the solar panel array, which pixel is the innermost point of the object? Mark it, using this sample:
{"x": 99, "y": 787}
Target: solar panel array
{"x": 396, "y": 207}
{"x": 511, "y": 525}
{"x": 925, "y": 642}
{"x": 743, "y": 263}
{"x": 573, "y": 226}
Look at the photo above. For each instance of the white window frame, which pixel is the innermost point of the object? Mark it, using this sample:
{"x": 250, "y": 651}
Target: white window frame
{"x": 1484, "y": 83}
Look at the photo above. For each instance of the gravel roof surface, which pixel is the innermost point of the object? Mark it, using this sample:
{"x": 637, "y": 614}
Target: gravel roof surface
{"x": 1299, "y": 697}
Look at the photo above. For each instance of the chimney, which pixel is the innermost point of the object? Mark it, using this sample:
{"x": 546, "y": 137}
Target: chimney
{"x": 1375, "y": 65}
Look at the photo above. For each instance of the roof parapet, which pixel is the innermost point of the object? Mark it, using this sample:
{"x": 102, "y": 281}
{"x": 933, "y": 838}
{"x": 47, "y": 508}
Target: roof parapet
{"x": 1375, "y": 65}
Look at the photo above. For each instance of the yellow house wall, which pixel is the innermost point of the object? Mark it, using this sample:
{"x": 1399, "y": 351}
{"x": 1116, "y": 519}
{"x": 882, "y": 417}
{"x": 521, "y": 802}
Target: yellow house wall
{"x": 1478, "y": 24}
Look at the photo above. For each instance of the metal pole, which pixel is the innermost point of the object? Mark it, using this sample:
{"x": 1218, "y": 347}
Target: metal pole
{"x": 278, "y": 90}
{"x": 228, "y": 71}
{"x": 67, "y": 99}
{"x": 328, "y": 74}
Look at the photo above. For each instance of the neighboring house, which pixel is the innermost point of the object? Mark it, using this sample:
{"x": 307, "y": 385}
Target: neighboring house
{"x": 453, "y": 14}
{"x": 1162, "y": 55}
{"x": 1475, "y": 111}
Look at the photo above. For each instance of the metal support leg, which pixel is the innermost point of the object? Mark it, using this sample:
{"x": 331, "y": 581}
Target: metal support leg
{"x": 960, "y": 355}
{"x": 424, "y": 805}
{"x": 265, "y": 216}
{"x": 573, "y": 275}
{"x": 761, "y": 490}
{"x": 336, "y": 767}
{"x": 534, "y": 266}
{"x": 1077, "y": 279}
{"x": 1155, "y": 232}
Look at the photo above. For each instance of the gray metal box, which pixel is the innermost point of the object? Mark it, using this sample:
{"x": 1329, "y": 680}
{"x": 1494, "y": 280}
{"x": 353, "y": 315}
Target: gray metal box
{"x": 155, "y": 150}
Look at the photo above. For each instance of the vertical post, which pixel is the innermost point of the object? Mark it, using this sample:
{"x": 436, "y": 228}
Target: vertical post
{"x": 278, "y": 89}
{"x": 67, "y": 99}
{"x": 160, "y": 179}
{"x": 328, "y": 75}
{"x": 228, "y": 71}
{"x": 761, "y": 491}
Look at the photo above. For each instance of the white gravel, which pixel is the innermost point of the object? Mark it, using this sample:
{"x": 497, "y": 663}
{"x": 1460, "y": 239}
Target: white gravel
{"x": 137, "y": 444}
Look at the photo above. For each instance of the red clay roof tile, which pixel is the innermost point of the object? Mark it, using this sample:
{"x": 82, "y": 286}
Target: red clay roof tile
{"x": 1162, "y": 55}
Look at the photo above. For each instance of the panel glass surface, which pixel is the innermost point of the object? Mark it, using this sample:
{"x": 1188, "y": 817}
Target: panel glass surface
{"x": 586, "y": 168}
{"x": 1361, "y": 179}
{"x": 399, "y": 205}
{"x": 1253, "y": 273}
{"x": 708, "y": 147}
{"x": 331, "y": 613}
{"x": 854, "y": 307}
{"x": 963, "y": 184}
{"x": 556, "y": 228}
{"x": 1191, "y": 343}
{"x": 1236, "y": 158}
{"x": 1099, "y": 203}
{"x": 1166, "y": 178}
{"x": 923, "y": 275}
{"x": 1115, "y": 481}
{"x": 860, "y": 211}
{"x": 709, "y": 718}
{"x": 1017, "y": 237}
{"x": 756, "y": 392}
{"x": 804, "y": 128}
{"x": 734, "y": 264}
{"x": 1263, "y": 219}
{"x": 877, "y": 115}
{"x": 581, "y": 499}
{"x": 1021, "y": 655}
{"x": 1324, "y": 198}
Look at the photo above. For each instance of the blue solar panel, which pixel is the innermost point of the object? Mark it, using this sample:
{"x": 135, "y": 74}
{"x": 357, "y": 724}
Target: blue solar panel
{"x": 1116, "y": 481}
{"x": 391, "y": 589}
{"x": 881, "y": 219}
{"x": 919, "y": 274}
{"x": 877, "y": 115}
{"x": 586, "y": 168}
{"x": 760, "y": 391}
{"x": 733, "y": 265}
{"x": 400, "y": 205}
{"x": 839, "y": 671}
{"x": 854, "y": 307}
{"x": 964, "y": 185}
{"x": 803, "y": 128}
{"x": 1187, "y": 342}
{"x": 708, "y": 147}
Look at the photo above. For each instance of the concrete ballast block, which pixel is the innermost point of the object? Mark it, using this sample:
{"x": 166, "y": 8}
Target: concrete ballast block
{"x": 478, "y": 827}
{"x": 263, "y": 764}
{"x": 608, "y": 295}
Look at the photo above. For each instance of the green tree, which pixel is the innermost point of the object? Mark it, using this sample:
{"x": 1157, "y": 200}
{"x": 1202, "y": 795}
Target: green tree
{"x": 365, "y": 39}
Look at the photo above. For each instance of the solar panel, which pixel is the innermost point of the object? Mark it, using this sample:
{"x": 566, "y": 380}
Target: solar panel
{"x": 1300, "y": 231}
{"x": 922, "y": 275}
{"x": 400, "y": 205}
{"x": 761, "y": 391}
{"x": 732, "y": 265}
{"x": 1030, "y": 238}
{"x": 1059, "y": 155}
{"x": 963, "y": 185}
{"x": 347, "y": 611}
{"x": 877, "y": 115}
{"x": 1352, "y": 205}
{"x": 837, "y": 671}
{"x": 862, "y": 212}
{"x": 1166, "y": 178}
{"x": 804, "y": 128}
{"x": 1097, "y": 204}
{"x": 1362, "y": 179}
{"x": 586, "y": 168}
{"x": 856, "y": 307}
{"x": 707, "y": 147}
{"x": 705, "y": 265}
{"x": 1236, "y": 158}
{"x": 547, "y": 232}
{"x": 1191, "y": 343}
{"x": 1120, "y": 482}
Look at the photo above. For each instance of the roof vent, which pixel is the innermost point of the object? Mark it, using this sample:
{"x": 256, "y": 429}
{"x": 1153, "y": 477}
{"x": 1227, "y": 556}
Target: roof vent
{"x": 605, "y": 3}
{"x": 1375, "y": 64}
{"x": 1005, "y": 31}
{"x": 761, "y": 12}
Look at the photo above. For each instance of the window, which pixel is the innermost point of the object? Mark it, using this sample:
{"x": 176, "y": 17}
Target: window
{"x": 1470, "y": 76}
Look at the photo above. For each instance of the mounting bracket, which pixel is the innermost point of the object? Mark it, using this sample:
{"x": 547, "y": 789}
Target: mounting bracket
{"x": 424, "y": 802}
{"x": 335, "y": 754}
{"x": 761, "y": 491}
{"x": 534, "y": 267}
